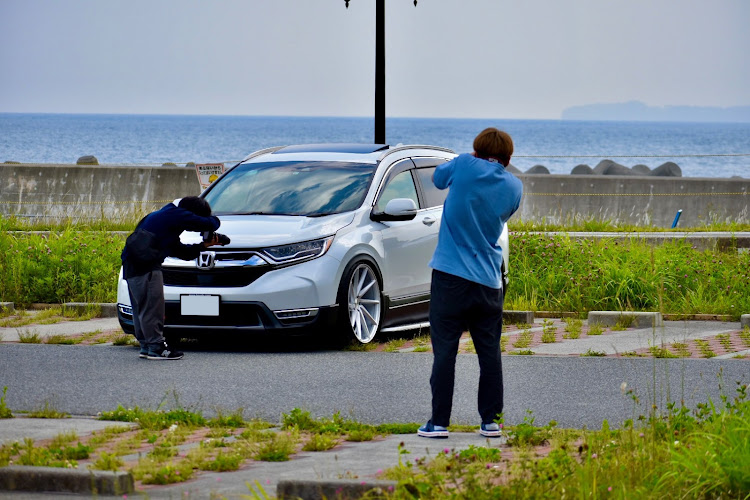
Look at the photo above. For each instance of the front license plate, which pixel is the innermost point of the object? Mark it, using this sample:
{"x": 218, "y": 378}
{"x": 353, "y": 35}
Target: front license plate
{"x": 199, "y": 305}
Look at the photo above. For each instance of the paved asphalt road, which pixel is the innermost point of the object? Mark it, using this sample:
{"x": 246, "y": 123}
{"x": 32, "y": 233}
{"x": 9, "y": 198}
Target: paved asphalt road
{"x": 369, "y": 387}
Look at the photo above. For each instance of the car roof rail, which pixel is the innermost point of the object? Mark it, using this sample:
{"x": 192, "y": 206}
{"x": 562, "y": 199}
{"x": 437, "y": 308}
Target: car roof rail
{"x": 402, "y": 147}
{"x": 262, "y": 152}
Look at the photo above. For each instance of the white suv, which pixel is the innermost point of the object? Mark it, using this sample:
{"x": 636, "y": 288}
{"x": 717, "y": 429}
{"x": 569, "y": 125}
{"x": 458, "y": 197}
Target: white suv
{"x": 331, "y": 238}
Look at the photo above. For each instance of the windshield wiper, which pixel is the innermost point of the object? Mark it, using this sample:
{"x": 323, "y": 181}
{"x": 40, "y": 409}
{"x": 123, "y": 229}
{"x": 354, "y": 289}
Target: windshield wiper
{"x": 261, "y": 213}
{"x": 319, "y": 214}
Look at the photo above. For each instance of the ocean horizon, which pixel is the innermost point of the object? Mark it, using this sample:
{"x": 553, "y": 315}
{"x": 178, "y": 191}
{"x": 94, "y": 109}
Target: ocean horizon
{"x": 701, "y": 149}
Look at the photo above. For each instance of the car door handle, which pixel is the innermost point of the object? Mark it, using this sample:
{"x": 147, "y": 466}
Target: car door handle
{"x": 428, "y": 221}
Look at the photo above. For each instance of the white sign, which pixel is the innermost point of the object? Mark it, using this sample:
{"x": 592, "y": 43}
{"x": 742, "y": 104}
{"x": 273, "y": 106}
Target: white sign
{"x": 208, "y": 172}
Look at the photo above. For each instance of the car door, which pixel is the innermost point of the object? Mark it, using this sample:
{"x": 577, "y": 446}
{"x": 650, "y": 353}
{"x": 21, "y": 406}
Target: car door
{"x": 407, "y": 245}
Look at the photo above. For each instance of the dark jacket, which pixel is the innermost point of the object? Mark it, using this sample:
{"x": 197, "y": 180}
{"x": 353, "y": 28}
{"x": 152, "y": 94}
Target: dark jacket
{"x": 167, "y": 224}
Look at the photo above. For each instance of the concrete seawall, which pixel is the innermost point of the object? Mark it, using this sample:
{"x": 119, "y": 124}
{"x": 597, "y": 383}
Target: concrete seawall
{"x": 111, "y": 191}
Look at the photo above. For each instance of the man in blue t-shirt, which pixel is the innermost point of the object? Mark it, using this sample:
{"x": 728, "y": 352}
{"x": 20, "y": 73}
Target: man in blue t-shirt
{"x": 467, "y": 283}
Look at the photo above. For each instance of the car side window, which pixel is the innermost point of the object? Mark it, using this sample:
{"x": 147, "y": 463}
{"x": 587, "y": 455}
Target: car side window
{"x": 400, "y": 186}
{"x": 434, "y": 197}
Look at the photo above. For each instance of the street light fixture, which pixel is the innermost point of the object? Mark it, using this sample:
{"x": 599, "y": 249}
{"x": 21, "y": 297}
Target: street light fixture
{"x": 379, "y": 69}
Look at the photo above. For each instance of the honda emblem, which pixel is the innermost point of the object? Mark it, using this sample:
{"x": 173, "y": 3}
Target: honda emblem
{"x": 206, "y": 260}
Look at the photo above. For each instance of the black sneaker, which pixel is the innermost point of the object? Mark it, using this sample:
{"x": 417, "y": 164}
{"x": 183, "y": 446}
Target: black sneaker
{"x": 165, "y": 353}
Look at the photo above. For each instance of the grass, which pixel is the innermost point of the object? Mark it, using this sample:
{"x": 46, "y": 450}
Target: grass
{"x": 549, "y": 332}
{"x": 595, "y": 329}
{"x": 29, "y": 337}
{"x": 47, "y": 410}
{"x": 704, "y": 348}
{"x": 676, "y": 454}
{"x": 552, "y": 273}
{"x": 573, "y": 327}
{"x": 4, "y": 410}
{"x": 703, "y": 453}
{"x": 593, "y": 353}
{"x": 524, "y": 339}
{"x": 593, "y": 224}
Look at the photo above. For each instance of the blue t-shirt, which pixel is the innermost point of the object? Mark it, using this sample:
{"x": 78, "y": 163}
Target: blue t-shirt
{"x": 482, "y": 197}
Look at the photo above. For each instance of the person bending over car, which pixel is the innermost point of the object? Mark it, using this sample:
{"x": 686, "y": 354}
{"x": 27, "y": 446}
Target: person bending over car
{"x": 467, "y": 282}
{"x": 156, "y": 237}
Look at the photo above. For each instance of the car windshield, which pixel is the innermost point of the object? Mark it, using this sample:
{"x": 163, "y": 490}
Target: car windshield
{"x": 311, "y": 188}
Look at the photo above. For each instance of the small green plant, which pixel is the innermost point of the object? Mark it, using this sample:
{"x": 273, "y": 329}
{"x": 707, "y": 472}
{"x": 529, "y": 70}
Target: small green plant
{"x": 725, "y": 341}
{"x": 223, "y": 461}
{"x": 107, "y": 461}
{"x": 573, "y": 327}
{"x": 593, "y": 353}
{"x": 526, "y": 434}
{"x": 300, "y": 419}
{"x": 469, "y": 347}
{"x": 595, "y": 329}
{"x": 47, "y": 411}
{"x": 682, "y": 349}
{"x": 233, "y": 420}
{"x": 278, "y": 448}
{"x": 396, "y": 428}
{"x": 320, "y": 442}
{"x": 745, "y": 336}
{"x": 504, "y": 343}
{"x": 4, "y": 410}
{"x": 704, "y": 348}
{"x": 522, "y": 352}
{"x": 480, "y": 454}
{"x": 549, "y": 331}
{"x": 154, "y": 419}
{"x": 149, "y": 472}
{"x": 524, "y": 339}
{"x": 360, "y": 435}
{"x": 394, "y": 345}
{"x": 357, "y": 346}
{"x": 29, "y": 337}
{"x": 421, "y": 343}
{"x": 124, "y": 340}
{"x": 624, "y": 322}
{"x": 60, "y": 339}
{"x": 661, "y": 352}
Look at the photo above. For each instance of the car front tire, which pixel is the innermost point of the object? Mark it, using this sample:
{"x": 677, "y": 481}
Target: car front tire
{"x": 360, "y": 302}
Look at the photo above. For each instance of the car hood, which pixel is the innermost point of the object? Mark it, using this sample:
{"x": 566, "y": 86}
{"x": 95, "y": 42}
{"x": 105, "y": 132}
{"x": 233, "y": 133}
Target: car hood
{"x": 255, "y": 231}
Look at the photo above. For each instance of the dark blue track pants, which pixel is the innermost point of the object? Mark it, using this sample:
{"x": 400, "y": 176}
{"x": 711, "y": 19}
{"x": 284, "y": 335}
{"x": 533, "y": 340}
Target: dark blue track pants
{"x": 457, "y": 305}
{"x": 147, "y": 300}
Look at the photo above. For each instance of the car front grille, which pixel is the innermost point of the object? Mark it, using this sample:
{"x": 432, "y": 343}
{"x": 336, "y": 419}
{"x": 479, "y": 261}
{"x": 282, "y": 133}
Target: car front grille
{"x": 217, "y": 277}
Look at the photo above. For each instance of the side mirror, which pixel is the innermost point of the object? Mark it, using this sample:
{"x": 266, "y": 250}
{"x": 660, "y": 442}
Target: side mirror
{"x": 398, "y": 209}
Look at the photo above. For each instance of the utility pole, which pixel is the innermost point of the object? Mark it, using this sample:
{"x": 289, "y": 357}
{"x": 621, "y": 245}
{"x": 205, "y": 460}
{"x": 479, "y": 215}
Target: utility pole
{"x": 379, "y": 69}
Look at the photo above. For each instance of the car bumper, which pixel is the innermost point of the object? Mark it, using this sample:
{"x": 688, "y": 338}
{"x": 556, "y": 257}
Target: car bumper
{"x": 241, "y": 318}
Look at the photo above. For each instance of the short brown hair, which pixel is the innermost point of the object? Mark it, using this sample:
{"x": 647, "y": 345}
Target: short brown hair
{"x": 494, "y": 143}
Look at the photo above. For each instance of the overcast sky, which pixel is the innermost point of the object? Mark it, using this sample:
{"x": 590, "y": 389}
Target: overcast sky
{"x": 445, "y": 58}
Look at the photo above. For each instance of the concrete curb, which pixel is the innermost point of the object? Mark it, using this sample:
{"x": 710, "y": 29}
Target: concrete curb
{"x": 54, "y": 479}
{"x": 341, "y": 489}
{"x": 745, "y": 321}
{"x": 106, "y": 310}
{"x": 516, "y": 317}
{"x": 636, "y": 319}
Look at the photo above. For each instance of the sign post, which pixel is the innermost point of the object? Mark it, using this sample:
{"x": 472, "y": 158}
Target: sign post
{"x": 208, "y": 172}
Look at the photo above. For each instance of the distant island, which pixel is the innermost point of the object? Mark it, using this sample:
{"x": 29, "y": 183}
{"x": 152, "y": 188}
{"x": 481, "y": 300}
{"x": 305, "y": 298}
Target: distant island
{"x": 638, "y": 111}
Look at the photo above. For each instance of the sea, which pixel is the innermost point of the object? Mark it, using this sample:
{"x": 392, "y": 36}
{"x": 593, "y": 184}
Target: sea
{"x": 700, "y": 149}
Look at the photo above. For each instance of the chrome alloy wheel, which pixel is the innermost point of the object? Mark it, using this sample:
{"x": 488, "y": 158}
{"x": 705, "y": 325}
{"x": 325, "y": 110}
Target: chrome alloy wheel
{"x": 364, "y": 303}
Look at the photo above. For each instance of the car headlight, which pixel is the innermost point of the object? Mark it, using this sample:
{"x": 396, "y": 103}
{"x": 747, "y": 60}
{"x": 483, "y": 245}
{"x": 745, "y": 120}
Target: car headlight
{"x": 298, "y": 251}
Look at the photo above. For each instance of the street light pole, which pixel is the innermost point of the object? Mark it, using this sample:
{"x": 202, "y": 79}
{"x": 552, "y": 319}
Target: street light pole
{"x": 379, "y": 69}
{"x": 380, "y": 72}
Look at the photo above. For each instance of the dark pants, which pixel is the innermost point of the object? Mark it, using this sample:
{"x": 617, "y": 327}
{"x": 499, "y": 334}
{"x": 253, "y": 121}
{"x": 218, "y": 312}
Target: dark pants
{"x": 458, "y": 305}
{"x": 147, "y": 298}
